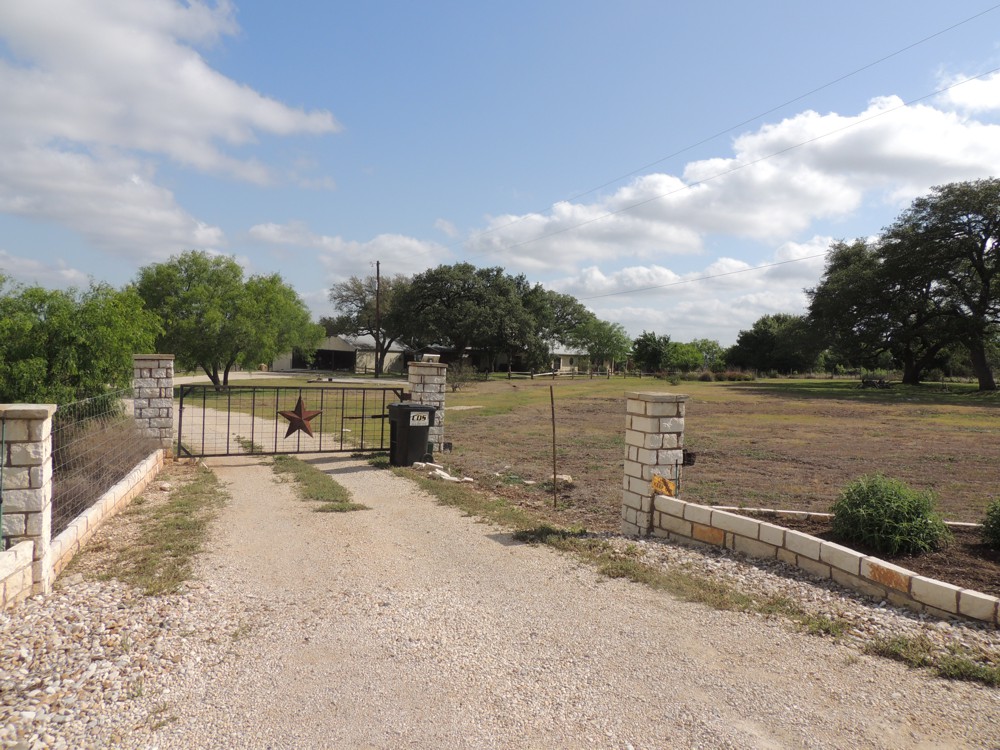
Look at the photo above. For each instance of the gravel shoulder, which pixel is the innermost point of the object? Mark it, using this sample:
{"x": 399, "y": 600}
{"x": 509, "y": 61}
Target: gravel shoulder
{"x": 411, "y": 625}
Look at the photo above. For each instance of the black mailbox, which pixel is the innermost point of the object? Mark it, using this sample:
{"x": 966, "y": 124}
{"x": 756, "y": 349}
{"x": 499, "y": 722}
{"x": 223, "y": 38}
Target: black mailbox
{"x": 409, "y": 432}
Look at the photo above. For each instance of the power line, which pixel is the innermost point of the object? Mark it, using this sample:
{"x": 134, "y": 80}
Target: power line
{"x": 744, "y": 122}
{"x": 744, "y": 165}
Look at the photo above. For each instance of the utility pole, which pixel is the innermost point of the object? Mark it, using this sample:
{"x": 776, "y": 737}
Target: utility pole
{"x": 378, "y": 320}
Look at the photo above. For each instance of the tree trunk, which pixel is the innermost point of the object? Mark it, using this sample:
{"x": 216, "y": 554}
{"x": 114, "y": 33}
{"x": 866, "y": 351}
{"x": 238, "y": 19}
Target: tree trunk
{"x": 980, "y": 365}
{"x": 213, "y": 375}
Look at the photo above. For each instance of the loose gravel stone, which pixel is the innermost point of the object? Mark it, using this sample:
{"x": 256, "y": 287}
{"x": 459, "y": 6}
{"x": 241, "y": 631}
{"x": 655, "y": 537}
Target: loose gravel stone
{"x": 411, "y": 626}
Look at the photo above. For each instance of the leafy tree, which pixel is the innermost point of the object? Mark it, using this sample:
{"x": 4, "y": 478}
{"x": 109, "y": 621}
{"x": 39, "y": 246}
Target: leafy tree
{"x": 950, "y": 240}
{"x": 684, "y": 357}
{"x": 62, "y": 346}
{"x": 864, "y": 307}
{"x": 213, "y": 319}
{"x": 604, "y": 341}
{"x": 779, "y": 342}
{"x": 650, "y": 351}
{"x": 712, "y": 353}
{"x": 355, "y": 301}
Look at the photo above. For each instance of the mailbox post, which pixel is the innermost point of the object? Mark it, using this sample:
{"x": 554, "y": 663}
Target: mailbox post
{"x": 409, "y": 429}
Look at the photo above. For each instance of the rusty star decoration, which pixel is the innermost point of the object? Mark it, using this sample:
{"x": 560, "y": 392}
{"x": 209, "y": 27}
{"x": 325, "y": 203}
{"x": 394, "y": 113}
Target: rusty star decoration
{"x": 298, "y": 419}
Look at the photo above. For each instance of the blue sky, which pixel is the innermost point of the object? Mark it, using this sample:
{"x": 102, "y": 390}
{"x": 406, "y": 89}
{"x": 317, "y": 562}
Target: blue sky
{"x": 598, "y": 148}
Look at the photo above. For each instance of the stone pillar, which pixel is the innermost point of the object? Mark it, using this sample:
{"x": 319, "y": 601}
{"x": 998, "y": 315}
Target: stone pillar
{"x": 654, "y": 442}
{"x": 153, "y": 396}
{"x": 27, "y": 484}
{"x": 427, "y": 386}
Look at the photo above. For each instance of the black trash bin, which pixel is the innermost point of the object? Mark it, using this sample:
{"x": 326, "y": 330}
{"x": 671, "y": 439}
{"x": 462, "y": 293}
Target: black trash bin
{"x": 409, "y": 430}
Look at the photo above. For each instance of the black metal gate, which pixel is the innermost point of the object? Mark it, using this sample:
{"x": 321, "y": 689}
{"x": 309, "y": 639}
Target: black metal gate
{"x": 274, "y": 419}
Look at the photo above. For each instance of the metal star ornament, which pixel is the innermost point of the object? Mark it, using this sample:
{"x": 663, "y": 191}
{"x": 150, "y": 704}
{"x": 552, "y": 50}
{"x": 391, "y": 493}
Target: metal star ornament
{"x": 298, "y": 419}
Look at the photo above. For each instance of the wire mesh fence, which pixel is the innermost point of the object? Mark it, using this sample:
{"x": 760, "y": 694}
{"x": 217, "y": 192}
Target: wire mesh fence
{"x": 95, "y": 444}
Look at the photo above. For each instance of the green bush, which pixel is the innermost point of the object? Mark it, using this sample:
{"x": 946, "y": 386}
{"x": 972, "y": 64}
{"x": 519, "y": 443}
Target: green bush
{"x": 991, "y": 525}
{"x": 888, "y": 516}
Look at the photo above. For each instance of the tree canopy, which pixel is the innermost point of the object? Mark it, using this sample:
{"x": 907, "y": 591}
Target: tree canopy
{"x": 214, "y": 319}
{"x": 62, "y": 346}
{"x": 781, "y": 342}
{"x": 367, "y": 306}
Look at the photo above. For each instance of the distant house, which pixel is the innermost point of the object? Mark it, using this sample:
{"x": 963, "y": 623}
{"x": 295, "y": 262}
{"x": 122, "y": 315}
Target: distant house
{"x": 345, "y": 353}
{"x": 568, "y": 359}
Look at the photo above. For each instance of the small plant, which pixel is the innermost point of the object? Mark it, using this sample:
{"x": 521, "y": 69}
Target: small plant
{"x": 888, "y": 516}
{"x": 991, "y": 525}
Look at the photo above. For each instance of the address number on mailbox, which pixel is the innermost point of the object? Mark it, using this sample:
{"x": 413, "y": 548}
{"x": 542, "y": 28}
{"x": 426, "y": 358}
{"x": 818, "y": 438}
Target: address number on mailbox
{"x": 419, "y": 419}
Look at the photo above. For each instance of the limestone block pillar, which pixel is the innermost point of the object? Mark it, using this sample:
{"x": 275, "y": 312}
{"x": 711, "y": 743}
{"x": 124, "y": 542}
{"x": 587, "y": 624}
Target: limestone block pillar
{"x": 153, "y": 396}
{"x": 654, "y": 442}
{"x": 428, "y": 381}
{"x": 27, "y": 484}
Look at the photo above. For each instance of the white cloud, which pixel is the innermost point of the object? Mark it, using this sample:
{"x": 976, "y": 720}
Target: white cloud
{"x": 977, "y": 95}
{"x": 29, "y": 271}
{"x": 95, "y": 91}
{"x": 779, "y": 180}
{"x": 344, "y": 258}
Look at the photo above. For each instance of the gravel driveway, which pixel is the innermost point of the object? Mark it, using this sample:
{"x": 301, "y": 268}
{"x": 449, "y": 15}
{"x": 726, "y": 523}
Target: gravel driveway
{"x": 409, "y": 625}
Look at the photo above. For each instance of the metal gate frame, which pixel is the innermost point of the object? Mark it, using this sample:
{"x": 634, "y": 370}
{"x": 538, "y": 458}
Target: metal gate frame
{"x": 354, "y": 406}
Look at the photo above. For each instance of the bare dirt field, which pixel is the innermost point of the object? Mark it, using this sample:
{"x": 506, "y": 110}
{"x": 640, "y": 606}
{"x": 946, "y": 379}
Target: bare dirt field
{"x": 770, "y": 444}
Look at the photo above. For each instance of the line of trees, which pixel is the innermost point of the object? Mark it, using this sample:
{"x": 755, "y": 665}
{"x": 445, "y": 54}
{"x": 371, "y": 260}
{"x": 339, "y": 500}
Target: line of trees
{"x": 462, "y": 306}
{"x": 923, "y": 295}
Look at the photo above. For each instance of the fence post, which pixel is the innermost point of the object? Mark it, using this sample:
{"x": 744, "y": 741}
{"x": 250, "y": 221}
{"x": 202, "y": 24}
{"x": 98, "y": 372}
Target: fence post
{"x": 427, "y": 384}
{"x": 654, "y": 442}
{"x": 153, "y": 397}
{"x": 27, "y": 485}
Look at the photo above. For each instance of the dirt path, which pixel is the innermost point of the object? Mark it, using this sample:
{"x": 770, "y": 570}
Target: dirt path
{"x": 409, "y": 625}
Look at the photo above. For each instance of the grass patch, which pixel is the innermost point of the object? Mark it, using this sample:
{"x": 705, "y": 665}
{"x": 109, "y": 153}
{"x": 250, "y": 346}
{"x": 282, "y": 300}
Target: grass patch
{"x": 918, "y": 652}
{"x": 313, "y": 484}
{"x": 171, "y": 534}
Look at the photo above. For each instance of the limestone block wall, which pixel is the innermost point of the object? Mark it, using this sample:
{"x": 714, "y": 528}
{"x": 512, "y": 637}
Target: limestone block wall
{"x": 153, "y": 396}
{"x": 428, "y": 382}
{"x": 27, "y": 485}
{"x": 687, "y": 522}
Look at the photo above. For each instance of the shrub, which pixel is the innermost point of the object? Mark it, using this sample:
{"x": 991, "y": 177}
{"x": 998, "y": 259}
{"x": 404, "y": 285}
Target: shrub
{"x": 705, "y": 376}
{"x": 888, "y": 516}
{"x": 991, "y": 525}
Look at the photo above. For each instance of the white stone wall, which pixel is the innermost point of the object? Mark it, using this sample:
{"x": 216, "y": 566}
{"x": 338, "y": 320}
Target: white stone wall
{"x": 153, "y": 396}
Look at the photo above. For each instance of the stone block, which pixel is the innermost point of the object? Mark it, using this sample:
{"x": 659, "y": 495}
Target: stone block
{"x": 708, "y": 534}
{"x": 25, "y": 501}
{"x": 753, "y": 548}
{"x": 14, "y": 524}
{"x": 771, "y": 534}
{"x": 638, "y": 486}
{"x": 145, "y": 382}
{"x": 634, "y": 406}
{"x": 741, "y": 525}
{"x": 28, "y": 454}
{"x": 857, "y": 583}
{"x": 669, "y": 505}
{"x": 818, "y": 569}
{"x": 162, "y": 403}
{"x": 18, "y": 478}
{"x": 653, "y": 441}
{"x": 670, "y": 440}
{"x": 632, "y": 500}
{"x": 647, "y": 457}
{"x": 888, "y": 575}
{"x": 803, "y": 544}
{"x": 630, "y": 529}
{"x": 671, "y": 424}
{"x": 643, "y": 424}
{"x": 17, "y": 431}
{"x": 669, "y": 458}
{"x": 979, "y": 606}
{"x": 635, "y": 438}
{"x": 841, "y": 557}
{"x": 935, "y": 593}
{"x": 632, "y": 468}
{"x": 698, "y": 513}
{"x": 39, "y": 524}
{"x": 630, "y": 516}
{"x": 787, "y": 556}
{"x": 661, "y": 409}
{"x": 674, "y": 525}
